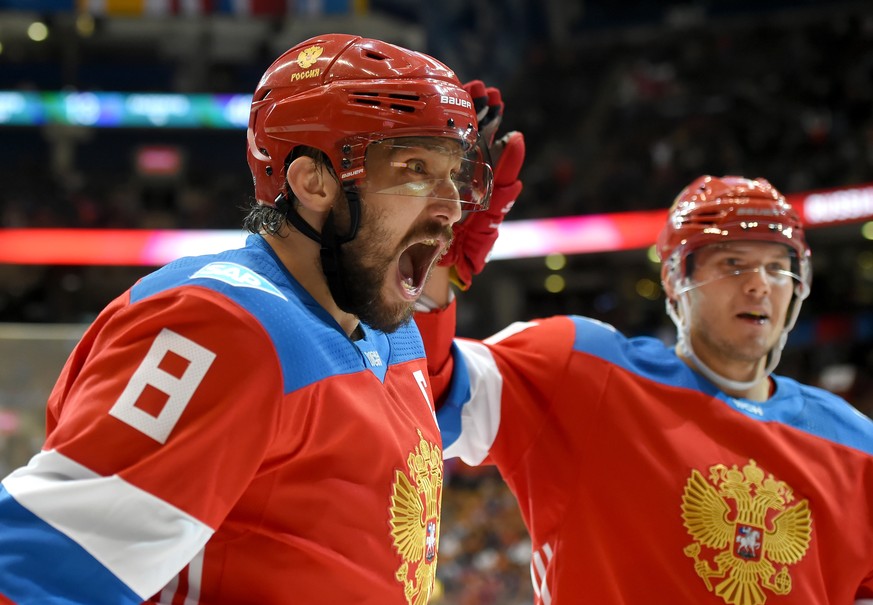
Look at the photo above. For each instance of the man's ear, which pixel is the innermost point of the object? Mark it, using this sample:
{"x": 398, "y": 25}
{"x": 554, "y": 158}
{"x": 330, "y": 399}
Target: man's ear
{"x": 312, "y": 184}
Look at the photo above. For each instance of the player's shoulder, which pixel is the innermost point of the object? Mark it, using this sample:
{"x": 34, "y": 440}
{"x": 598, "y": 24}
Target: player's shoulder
{"x": 584, "y": 334}
{"x": 826, "y": 413}
{"x": 245, "y": 275}
{"x": 250, "y": 285}
{"x": 604, "y": 340}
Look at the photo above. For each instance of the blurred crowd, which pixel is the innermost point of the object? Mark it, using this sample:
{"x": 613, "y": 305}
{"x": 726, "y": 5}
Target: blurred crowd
{"x": 617, "y": 117}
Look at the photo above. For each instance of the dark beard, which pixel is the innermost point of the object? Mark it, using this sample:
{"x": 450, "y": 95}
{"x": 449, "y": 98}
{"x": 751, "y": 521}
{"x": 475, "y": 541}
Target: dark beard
{"x": 363, "y": 267}
{"x": 363, "y": 286}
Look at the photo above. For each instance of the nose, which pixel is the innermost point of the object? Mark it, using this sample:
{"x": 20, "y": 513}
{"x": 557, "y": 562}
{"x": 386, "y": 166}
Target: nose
{"x": 447, "y": 211}
{"x": 757, "y": 281}
{"x": 446, "y": 202}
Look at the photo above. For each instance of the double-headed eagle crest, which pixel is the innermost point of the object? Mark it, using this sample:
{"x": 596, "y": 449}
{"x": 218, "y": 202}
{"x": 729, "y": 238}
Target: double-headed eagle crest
{"x": 307, "y": 56}
{"x": 746, "y": 516}
{"x": 415, "y": 520}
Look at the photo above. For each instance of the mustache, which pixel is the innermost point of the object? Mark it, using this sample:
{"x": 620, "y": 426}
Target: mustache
{"x": 430, "y": 230}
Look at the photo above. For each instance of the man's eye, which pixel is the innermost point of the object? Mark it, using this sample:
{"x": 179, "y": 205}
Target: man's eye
{"x": 416, "y": 166}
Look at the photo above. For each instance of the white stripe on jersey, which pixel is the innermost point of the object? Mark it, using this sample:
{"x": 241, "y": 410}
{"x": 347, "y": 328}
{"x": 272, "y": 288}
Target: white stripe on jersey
{"x": 195, "y": 578}
{"x": 480, "y": 416}
{"x": 513, "y": 328}
{"x": 169, "y": 591}
{"x": 194, "y": 574}
{"x": 144, "y": 541}
{"x": 538, "y": 570}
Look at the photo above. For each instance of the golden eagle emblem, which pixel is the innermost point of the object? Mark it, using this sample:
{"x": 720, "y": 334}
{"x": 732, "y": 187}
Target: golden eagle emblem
{"x": 307, "y": 56}
{"x": 746, "y": 516}
{"x": 415, "y": 520}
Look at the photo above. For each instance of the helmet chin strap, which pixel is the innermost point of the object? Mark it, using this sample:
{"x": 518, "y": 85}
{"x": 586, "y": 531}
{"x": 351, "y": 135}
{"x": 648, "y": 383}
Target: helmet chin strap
{"x": 683, "y": 344}
{"x": 331, "y": 243}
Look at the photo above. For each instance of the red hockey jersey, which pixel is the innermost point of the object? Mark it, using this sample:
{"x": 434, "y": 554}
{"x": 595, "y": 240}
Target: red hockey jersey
{"x": 641, "y": 482}
{"x": 217, "y": 438}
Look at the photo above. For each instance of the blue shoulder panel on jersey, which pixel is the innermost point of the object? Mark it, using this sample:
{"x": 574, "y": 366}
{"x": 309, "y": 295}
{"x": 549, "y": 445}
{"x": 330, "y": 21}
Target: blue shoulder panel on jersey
{"x": 65, "y": 568}
{"x": 647, "y": 357}
{"x": 824, "y": 414}
{"x": 310, "y": 344}
{"x": 803, "y": 407}
{"x": 449, "y": 413}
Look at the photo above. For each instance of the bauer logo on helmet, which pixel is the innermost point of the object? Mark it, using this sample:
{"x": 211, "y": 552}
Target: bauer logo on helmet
{"x": 447, "y": 100}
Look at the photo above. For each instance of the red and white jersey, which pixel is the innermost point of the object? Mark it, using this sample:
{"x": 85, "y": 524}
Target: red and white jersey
{"x": 217, "y": 438}
{"x": 641, "y": 482}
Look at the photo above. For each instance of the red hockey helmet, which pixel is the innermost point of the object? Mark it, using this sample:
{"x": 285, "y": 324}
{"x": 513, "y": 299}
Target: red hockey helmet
{"x": 714, "y": 210}
{"x": 338, "y": 93}
{"x": 720, "y": 209}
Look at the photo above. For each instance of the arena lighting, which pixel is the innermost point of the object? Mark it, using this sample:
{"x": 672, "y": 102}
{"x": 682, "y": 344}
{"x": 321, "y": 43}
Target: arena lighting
{"x": 124, "y": 110}
{"x": 518, "y": 239}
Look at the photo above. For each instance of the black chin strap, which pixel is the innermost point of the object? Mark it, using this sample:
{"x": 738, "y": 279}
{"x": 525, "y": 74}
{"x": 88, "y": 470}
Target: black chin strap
{"x": 331, "y": 243}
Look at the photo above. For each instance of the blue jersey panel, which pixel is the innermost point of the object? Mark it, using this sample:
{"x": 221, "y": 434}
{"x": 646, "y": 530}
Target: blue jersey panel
{"x": 64, "y": 568}
{"x": 800, "y": 406}
{"x": 449, "y": 414}
{"x": 310, "y": 344}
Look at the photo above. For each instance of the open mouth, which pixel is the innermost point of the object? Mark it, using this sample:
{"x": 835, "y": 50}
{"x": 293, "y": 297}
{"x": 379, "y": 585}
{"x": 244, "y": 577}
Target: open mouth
{"x": 759, "y": 318}
{"x": 415, "y": 263}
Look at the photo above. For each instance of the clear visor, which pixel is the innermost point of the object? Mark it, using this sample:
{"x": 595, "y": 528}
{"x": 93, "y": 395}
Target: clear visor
{"x": 715, "y": 263}
{"x": 428, "y": 167}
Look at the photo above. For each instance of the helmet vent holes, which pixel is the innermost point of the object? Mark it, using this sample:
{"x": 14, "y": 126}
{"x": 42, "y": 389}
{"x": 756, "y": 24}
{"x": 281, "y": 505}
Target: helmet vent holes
{"x": 391, "y": 101}
{"x": 361, "y": 98}
{"x": 404, "y": 97}
{"x": 374, "y": 55}
{"x": 708, "y": 216}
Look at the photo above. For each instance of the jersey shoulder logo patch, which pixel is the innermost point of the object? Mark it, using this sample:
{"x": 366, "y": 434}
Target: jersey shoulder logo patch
{"x": 238, "y": 276}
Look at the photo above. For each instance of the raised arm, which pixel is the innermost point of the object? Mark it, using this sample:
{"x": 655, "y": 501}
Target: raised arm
{"x": 474, "y": 238}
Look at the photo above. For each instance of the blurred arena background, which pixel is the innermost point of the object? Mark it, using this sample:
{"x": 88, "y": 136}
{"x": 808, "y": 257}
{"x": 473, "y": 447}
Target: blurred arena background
{"x": 622, "y": 104}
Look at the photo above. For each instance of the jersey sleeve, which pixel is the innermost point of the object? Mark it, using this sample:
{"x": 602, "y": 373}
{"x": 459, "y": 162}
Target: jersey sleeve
{"x": 502, "y": 389}
{"x": 437, "y": 328}
{"x": 163, "y": 413}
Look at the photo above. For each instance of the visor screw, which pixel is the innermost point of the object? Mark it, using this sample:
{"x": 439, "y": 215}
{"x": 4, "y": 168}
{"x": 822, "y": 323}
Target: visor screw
{"x": 450, "y": 123}
{"x": 269, "y": 171}
{"x": 347, "y": 149}
{"x": 346, "y": 162}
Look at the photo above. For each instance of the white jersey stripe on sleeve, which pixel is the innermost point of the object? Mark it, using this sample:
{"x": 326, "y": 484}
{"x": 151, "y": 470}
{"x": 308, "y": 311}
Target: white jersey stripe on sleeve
{"x": 195, "y": 578}
{"x": 538, "y": 572}
{"x": 513, "y": 328}
{"x": 480, "y": 416}
{"x": 168, "y": 592}
{"x": 143, "y": 541}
